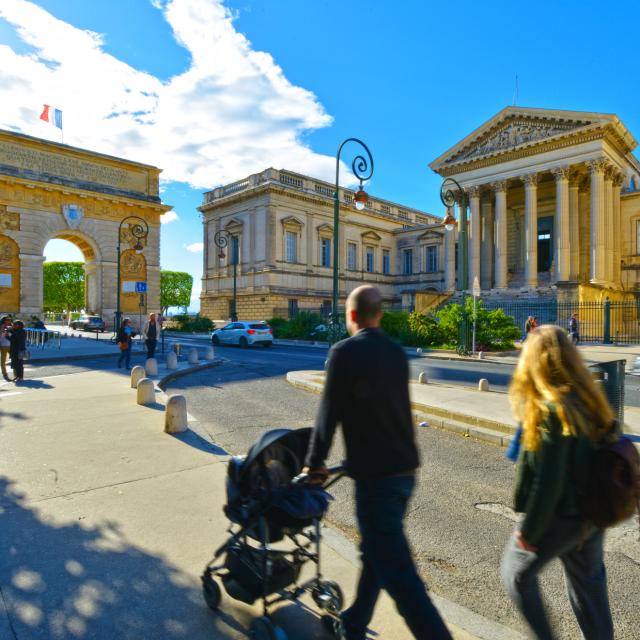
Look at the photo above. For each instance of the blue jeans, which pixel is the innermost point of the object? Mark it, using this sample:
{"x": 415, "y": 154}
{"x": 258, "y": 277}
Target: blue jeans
{"x": 387, "y": 562}
{"x": 581, "y": 555}
{"x": 125, "y": 354}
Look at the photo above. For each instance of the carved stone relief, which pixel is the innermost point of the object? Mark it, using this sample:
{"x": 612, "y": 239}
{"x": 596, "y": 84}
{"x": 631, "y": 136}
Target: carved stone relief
{"x": 7, "y": 252}
{"x": 133, "y": 264}
{"x": 9, "y": 220}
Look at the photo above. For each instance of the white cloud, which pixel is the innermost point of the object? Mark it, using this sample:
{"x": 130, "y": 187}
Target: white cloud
{"x": 195, "y": 247}
{"x": 231, "y": 113}
{"x": 169, "y": 216}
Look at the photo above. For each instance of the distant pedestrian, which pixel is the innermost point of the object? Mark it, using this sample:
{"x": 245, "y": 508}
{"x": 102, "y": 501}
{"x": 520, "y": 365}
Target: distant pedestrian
{"x": 574, "y": 328}
{"x": 150, "y": 333}
{"x": 5, "y": 345}
{"x": 17, "y": 350}
{"x": 124, "y": 337}
{"x": 529, "y": 326}
{"x": 367, "y": 391}
{"x": 564, "y": 414}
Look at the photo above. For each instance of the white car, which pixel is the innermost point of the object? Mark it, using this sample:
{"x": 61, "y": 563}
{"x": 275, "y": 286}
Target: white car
{"x": 244, "y": 334}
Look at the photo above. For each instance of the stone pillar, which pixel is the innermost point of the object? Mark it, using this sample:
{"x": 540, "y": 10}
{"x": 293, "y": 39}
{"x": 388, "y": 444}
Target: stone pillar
{"x": 271, "y": 235}
{"x": 608, "y": 224}
{"x": 486, "y": 253}
{"x": 500, "y": 190}
{"x": 531, "y": 229}
{"x": 597, "y": 232}
{"x": 311, "y": 243}
{"x": 31, "y": 291}
{"x": 562, "y": 240}
{"x": 574, "y": 228}
{"x": 618, "y": 179}
{"x": 450, "y": 256}
{"x": 474, "y": 235}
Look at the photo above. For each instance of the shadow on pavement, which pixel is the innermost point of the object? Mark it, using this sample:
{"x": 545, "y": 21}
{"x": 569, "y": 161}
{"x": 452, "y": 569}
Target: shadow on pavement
{"x": 196, "y": 441}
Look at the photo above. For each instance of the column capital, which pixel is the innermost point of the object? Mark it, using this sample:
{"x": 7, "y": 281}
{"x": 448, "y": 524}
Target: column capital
{"x": 597, "y": 166}
{"x": 530, "y": 179}
{"x": 473, "y": 192}
{"x": 562, "y": 173}
{"x": 618, "y": 178}
{"x": 499, "y": 186}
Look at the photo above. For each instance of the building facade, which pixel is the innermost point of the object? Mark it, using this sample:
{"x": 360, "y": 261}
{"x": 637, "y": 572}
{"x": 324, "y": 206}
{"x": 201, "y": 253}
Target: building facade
{"x": 279, "y": 224}
{"x": 50, "y": 190}
{"x": 554, "y": 204}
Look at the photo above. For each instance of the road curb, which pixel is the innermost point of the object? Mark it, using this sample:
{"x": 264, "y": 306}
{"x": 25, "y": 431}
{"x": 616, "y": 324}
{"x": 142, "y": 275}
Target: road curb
{"x": 489, "y": 431}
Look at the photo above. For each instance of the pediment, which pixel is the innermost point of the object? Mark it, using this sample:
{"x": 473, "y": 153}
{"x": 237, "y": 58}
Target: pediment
{"x": 234, "y": 226}
{"x": 371, "y": 235}
{"x": 432, "y": 234}
{"x": 292, "y": 221}
{"x": 516, "y": 128}
{"x": 325, "y": 229}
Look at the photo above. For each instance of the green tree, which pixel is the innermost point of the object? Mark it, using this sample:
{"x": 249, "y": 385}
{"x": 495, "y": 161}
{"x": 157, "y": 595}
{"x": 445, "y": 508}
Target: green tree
{"x": 175, "y": 289}
{"x": 63, "y": 286}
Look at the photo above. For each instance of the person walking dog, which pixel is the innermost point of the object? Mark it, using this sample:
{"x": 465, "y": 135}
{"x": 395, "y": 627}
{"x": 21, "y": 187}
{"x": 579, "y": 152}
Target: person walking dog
{"x": 124, "y": 338}
{"x": 17, "y": 350}
{"x": 564, "y": 416}
{"x": 150, "y": 333}
{"x": 367, "y": 391}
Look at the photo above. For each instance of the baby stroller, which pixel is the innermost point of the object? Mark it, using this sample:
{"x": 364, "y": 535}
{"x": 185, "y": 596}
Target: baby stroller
{"x": 268, "y": 502}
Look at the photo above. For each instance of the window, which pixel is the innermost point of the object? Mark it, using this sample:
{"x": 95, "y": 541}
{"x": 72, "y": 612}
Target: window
{"x": 234, "y": 257}
{"x": 431, "y": 258}
{"x": 407, "y": 262}
{"x": 371, "y": 267}
{"x": 293, "y": 308}
{"x": 325, "y": 252}
{"x": 352, "y": 253}
{"x": 291, "y": 246}
{"x": 386, "y": 262}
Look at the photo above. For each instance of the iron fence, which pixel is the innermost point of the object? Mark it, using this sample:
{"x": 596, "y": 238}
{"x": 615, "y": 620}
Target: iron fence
{"x": 325, "y": 311}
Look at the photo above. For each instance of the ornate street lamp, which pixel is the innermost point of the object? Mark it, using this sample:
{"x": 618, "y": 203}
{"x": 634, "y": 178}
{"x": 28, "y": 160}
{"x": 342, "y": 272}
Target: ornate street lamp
{"x": 139, "y": 230}
{"x": 362, "y": 168}
{"x": 450, "y": 191}
{"x": 221, "y": 239}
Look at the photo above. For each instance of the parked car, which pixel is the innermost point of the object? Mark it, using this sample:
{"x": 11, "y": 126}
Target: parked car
{"x": 89, "y": 323}
{"x": 244, "y": 334}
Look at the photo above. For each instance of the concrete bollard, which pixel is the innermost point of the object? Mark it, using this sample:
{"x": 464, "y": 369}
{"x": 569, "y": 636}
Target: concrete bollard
{"x": 146, "y": 391}
{"x": 208, "y": 354}
{"x": 172, "y": 361}
{"x": 151, "y": 367}
{"x": 481, "y": 355}
{"x": 422, "y": 378}
{"x": 193, "y": 356}
{"x": 175, "y": 415}
{"x": 483, "y": 384}
{"x": 137, "y": 373}
{"x": 419, "y": 351}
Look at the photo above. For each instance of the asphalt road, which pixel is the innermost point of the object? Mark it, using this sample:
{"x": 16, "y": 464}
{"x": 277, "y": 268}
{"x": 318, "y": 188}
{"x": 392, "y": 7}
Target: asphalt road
{"x": 459, "y": 520}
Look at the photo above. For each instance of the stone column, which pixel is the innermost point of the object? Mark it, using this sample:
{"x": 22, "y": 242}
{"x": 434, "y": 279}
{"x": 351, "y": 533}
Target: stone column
{"x": 450, "y": 256}
{"x": 597, "y": 273}
{"x": 562, "y": 241}
{"x": 31, "y": 291}
{"x": 486, "y": 252}
{"x": 474, "y": 235}
{"x": 531, "y": 228}
{"x": 618, "y": 179}
{"x": 608, "y": 224}
{"x": 271, "y": 232}
{"x": 311, "y": 243}
{"x": 500, "y": 190}
{"x": 574, "y": 228}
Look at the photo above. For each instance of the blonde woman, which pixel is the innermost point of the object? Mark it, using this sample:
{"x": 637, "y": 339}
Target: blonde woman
{"x": 563, "y": 414}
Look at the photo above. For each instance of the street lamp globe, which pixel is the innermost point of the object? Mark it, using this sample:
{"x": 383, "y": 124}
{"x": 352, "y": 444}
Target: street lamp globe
{"x": 360, "y": 198}
{"x": 449, "y": 222}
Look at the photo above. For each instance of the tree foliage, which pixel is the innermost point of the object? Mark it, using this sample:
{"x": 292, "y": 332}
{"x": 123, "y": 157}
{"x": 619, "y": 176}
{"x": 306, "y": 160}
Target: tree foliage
{"x": 175, "y": 289}
{"x": 63, "y": 286}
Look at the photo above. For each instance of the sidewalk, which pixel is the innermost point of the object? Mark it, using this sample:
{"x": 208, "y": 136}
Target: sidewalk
{"x": 106, "y": 524}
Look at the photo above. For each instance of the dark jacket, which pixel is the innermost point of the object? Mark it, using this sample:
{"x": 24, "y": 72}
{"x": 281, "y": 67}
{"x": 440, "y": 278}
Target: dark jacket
{"x": 367, "y": 391}
{"x": 549, "y": 480}
{"x": 121, "y": 336}
{"x": 18, "y": 342}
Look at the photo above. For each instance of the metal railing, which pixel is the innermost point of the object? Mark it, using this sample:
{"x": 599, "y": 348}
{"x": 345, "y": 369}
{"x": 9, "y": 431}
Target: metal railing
{"x": 43, "y": 338}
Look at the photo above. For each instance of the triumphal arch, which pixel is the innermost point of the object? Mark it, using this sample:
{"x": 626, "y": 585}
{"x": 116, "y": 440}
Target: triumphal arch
{"x": 50, "y": 190}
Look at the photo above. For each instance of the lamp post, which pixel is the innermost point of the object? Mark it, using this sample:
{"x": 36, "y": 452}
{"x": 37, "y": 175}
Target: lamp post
{"x": 139, "y": 230}
{"x": 221, "y": 239}
{"x": 362, "y": 168}
{"x": 448, "y": 191}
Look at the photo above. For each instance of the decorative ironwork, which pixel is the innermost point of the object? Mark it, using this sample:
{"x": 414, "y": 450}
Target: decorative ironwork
{"x": 221, "y": 240}
{"x": 448, "y": 196}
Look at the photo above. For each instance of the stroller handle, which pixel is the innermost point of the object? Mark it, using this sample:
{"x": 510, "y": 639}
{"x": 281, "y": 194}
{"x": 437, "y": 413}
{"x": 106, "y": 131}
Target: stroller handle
{"x": 336, "y": 471}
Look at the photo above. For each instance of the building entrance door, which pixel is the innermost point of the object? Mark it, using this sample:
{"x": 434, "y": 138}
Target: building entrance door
{"x": 545, "y": 243}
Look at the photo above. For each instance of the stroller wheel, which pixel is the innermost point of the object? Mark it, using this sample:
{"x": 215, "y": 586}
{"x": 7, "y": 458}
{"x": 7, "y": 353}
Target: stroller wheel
{"x": 263, "y": 629}
{"x": 334, "y": 626}
{"x": 211, "y": 591}
{"x": 328, "y": 596}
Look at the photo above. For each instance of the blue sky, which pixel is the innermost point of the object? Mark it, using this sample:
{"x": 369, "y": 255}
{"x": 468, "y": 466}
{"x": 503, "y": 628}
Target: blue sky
{"x": 212, "y": 91}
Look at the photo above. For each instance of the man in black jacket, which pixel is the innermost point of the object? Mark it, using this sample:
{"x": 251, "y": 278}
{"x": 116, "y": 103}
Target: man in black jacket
{"x": 367, "y": 391}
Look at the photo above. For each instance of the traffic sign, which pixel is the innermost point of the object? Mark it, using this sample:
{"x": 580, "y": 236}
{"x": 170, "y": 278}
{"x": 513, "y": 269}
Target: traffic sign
{"x": 141, "y": 287}
{"x": 476, "y": 287}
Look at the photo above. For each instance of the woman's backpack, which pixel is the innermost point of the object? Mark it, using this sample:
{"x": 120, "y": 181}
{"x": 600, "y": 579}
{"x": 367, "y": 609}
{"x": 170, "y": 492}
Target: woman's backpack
{"x": 612, "y": 491}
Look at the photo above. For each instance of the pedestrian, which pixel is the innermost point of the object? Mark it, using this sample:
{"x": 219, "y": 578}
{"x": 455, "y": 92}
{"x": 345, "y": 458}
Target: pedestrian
{"x": 564, "y": 415}
{"x": 367, "y": 391}
{"x": 529, "y": 326}
{"x": 124, "y": 338}
{"x": 5, "y": 345}
{"x": 17, "y": 349}
{"x": 150, "y": 333}
{"x": 574, "y": 328}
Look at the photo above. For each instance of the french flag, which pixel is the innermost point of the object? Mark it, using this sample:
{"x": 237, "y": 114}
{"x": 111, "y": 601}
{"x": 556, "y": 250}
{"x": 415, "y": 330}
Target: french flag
{"x": 52, "y": 116}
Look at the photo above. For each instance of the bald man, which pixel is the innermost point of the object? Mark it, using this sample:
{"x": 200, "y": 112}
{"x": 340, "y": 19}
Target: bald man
{"x": 367, "y": 392}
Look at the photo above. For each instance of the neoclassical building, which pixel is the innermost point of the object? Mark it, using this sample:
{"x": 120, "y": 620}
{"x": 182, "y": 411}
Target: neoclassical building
{"x": 50, "y": 190}
{"x": 280, "y": 224}
{"x": 554, "y": 204}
